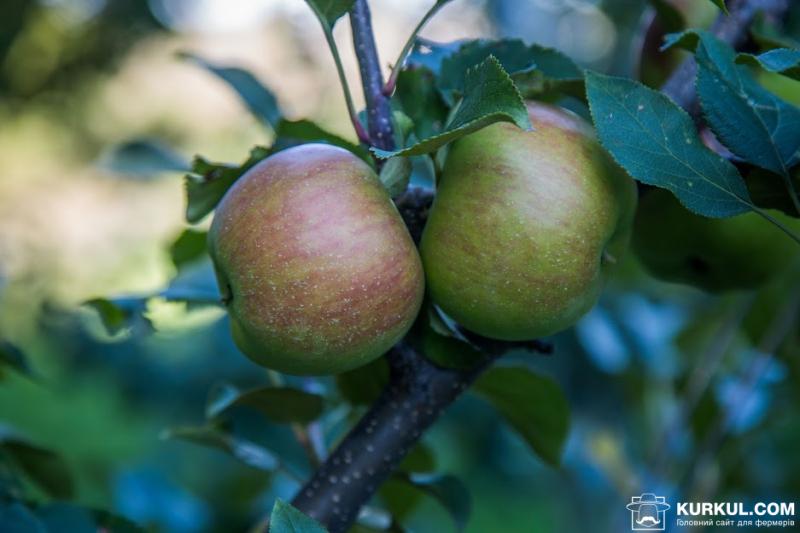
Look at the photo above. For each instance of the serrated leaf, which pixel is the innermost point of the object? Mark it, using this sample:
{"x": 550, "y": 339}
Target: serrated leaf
{"x": 449, "y": 491}
{"x": 287, "y": 519}
{"x": 261, "y": 102}
{"x": 489, "y": 96}
{"x": 329, "y": 11}
{"x": 512, "y": 54}
{"x": 143, "y": 158}
{"x": 656, "y": 142}
{"x": 188, "y": 247}
{"x": 780, "y": 60}
{"x": 244, "y": 450}
{"x": 534, "y": 405}
{"x": 555, "y": 73}
{"x": 721, "y": 5}
{"x": 750, "y": 121}
{"x": 44, "y": 467}
{"x": 208, "y": 182}
{"x": 279, "y": 404}
{"x": 395, "y": 175}
{"x": 12, "y": 357}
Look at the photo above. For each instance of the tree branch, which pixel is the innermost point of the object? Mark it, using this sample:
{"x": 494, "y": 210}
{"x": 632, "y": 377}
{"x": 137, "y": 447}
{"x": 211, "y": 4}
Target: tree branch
{"x": 379, "y": 111}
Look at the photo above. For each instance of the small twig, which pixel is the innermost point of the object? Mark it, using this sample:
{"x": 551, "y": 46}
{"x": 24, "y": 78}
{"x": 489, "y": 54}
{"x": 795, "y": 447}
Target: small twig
{"x": 379, "y": 111}
{"x": 348, "y": 98}
{"x": 388, "y": 89}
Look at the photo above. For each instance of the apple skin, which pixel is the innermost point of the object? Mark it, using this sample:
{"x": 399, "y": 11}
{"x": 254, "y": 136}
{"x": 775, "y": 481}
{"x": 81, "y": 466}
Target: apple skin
{"x": 713, "y": 254}
{"x": 523, "y": 225}
{"x": 315, "y": 263}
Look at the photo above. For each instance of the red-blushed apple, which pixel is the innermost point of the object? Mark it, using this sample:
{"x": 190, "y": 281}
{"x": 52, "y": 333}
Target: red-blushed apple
{"x": 314, "y": 262}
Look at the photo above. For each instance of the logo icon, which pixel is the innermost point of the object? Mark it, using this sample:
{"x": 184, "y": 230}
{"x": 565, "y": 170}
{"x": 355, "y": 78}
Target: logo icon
{"x": 648, "y": 512}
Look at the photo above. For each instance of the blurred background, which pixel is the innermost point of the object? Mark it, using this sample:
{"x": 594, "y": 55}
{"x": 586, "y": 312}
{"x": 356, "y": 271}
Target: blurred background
{"x": 672, "y": 391}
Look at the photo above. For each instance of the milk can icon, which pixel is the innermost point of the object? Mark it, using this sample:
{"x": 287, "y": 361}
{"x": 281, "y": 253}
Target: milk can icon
{"x": 648, "y": 512}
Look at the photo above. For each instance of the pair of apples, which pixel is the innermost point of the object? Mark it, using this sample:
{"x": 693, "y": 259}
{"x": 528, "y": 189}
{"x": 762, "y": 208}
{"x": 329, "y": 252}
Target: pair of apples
{"x": 320, "y": 274}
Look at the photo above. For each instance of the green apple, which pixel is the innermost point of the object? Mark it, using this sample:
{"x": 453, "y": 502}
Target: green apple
{"x": 317, "y": 268}
{"x": 524, "y": 225}
{"x": 714, "y": 254}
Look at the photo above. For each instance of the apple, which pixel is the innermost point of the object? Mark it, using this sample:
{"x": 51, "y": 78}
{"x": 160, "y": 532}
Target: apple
{"x": 524, "y": 224}
{"x": 315, "y": 264}
{"x": 714, "y": 254}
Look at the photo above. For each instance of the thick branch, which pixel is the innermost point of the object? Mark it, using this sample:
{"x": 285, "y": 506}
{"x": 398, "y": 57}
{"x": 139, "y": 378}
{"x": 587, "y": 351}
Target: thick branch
{"x": 417, "y": 393}
{"x": 379, "y": 111}
{"x": 730, "y": 29}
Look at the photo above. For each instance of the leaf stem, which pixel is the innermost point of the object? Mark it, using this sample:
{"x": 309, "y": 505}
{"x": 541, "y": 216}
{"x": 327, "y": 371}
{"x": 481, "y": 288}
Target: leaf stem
{"x": 337, "y": 59}
{"x": 391, "y": 83}
{"x": 777, "y": 223}
{"x": 787, "y": 178}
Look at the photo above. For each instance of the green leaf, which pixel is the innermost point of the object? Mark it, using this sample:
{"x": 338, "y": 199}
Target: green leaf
{"x": 12, "y": 357}
{"x": 449, "y": 491}
{"x": 419, "y": 98}
{"x": 44, "y": 467}
{"x": 721, "y": 5}
{"x": 329, "y": 11}
{"x": 279, "y": 404}
{"x": 293, "y": 132}
{"x": 261, "y": 102}
{"x": 768, "y": 190}
{"x": 395, "y": 175}
{"x": 419, "y": 459}
{"x": 363, "y": 385}
{"x": 287, "y": 519}
{"x": 143, "y": 158}
{"x": 670, "y": 19}
{"x": 750, "y": 121}
{"x": 512, "y": 54}
{"x": 533, "y": 405}
{"x": 555, "y": 73}
{"x": 188, "y": 247}
{"x": 780, "y": 60}
{"x": 245, "y": 451}
{"x": 209, "y": 182}
{"x": 657, "y": 143}
{"x": 490, "y": 96}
